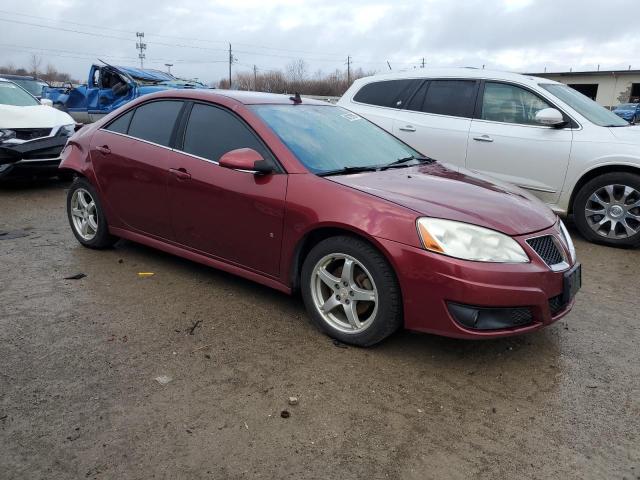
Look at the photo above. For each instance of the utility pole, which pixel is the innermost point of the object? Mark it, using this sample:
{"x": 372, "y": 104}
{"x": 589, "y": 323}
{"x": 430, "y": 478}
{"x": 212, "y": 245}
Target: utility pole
{"x": 348, "y": 70}
{"x": 140, "y": 45}
{"x": 168, "y": 65}
{"x": 422, "y": 66}
{"x": 230, "y": 62}
{"x": 255, "y": 78}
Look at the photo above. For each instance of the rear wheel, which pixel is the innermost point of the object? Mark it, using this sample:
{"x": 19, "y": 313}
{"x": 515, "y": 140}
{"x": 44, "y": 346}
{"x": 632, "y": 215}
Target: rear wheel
{"x": 607, "y": 209}
{"x": 351, "y": 291}
{"x": 86, "y": 216}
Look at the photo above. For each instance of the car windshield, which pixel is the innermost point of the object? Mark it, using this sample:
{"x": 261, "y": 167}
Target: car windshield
{"x": 586, "y": 107}
{"x": 627, "y": 106}
{"x": 328, "y": 138}
{"x": 34, "y": 87}
{"x": 11, "y": 94}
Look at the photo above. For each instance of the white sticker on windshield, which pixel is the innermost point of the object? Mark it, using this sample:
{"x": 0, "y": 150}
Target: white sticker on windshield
{"x": 352, "y": 117}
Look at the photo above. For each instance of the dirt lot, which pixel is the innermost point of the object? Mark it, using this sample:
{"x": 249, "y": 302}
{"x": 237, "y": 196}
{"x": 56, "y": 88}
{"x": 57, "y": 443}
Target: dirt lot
{"x": 79, "y": 358}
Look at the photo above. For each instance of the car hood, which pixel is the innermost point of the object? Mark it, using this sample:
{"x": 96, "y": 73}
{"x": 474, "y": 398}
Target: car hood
{"x": 444, "y": 191}
{"x": 36, "y": 116}
{"x": 629, "y": 134}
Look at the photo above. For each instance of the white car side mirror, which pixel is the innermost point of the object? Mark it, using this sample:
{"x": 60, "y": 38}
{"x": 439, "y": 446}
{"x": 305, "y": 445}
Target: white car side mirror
{"x": 47, "y": 102}
{"x": 550, "y": 117}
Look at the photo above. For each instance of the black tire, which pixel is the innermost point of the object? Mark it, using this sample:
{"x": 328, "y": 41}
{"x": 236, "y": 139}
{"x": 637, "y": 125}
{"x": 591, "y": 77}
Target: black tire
{"x": 102, "y": 238}
{"x": 581, "y": 202}
{"x": 388, "y": 316}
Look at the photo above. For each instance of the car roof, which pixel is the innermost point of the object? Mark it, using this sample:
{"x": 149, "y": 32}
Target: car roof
{"x": 241, "y": 96}
{"x": 457, "y": 72}
{"x": 17, "y": 77}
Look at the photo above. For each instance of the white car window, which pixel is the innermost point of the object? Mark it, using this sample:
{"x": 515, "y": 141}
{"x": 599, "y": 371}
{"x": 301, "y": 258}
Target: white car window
{"x": 11, "y": 94}
{"x": 510, "y": 104}
{"x": 390, "y": 93}
{"x": 455, "y": 98}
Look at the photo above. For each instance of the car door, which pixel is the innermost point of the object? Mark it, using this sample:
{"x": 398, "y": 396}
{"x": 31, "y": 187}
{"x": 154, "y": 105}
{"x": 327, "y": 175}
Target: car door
{"x": 233, "y": 215}
{"x": 437, "y": 119}
{"x": 130, "y": 159}
{"x": 506, "y": 142}
{"x": 379, "y": 102}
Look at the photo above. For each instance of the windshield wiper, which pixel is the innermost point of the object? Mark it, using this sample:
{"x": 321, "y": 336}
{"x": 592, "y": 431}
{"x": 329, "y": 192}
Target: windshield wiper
{"x": 405, "y": 160}
{"x": 348, "y": 170}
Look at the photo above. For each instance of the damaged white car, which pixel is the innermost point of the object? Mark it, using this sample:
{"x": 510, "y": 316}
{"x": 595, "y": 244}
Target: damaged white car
{"x": 32, "y": 133}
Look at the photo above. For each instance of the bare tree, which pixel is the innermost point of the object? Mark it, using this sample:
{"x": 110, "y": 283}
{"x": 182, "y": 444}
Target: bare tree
{"x": 35, "y": 63}
{"x": 296, "y": 71}
{"x": 295, "y": 79}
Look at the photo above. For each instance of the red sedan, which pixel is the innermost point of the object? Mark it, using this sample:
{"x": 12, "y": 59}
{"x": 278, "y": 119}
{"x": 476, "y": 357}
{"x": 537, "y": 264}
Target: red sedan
{"x": 303, "y": 195}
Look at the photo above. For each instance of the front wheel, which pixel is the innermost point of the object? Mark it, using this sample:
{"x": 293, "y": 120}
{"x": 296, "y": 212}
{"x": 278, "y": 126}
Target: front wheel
{"x": 86, "y": 216}
{"x": 351, "y": 292}
{"x": 607, "y": 209}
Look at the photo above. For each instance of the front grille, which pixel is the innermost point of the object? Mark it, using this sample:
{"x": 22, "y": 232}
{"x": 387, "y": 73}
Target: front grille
{"x": 31, "y": 133}
{"x": 547, "y": 249}
{"x": 521, "y": 316}
{"x": 556, "y": 305}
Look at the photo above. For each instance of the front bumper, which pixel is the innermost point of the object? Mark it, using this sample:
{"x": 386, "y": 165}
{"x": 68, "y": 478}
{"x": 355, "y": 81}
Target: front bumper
{"x": 35, "y": 157}
{"x": 431, "y": 283}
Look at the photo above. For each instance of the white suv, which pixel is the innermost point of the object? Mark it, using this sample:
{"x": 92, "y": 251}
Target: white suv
{"x": 539, "y": 134}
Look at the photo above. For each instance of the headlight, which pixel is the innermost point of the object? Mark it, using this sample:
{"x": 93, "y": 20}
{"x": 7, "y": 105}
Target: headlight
{"x": 66, "y": 130}
{"x": 6, "y": 134}
{"x": 567, "y": 239}
{"x": 469, "y": 242}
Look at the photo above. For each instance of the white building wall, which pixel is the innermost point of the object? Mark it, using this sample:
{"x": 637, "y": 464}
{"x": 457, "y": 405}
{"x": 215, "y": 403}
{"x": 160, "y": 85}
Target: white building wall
{"x": 613, "y": 89}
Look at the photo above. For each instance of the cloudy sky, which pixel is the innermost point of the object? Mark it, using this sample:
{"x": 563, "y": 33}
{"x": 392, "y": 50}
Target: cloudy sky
{"x": 517, "y": 35}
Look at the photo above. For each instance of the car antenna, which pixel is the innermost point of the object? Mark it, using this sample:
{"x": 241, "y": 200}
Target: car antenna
{"x": 296, "y": 98}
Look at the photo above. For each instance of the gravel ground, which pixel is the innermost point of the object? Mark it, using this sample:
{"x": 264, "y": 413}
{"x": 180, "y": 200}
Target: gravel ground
{"x": 79, "y": 360}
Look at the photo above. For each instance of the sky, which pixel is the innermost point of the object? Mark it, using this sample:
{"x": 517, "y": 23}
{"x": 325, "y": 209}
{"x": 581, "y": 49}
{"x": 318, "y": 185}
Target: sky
{"x": 515, "y": 35}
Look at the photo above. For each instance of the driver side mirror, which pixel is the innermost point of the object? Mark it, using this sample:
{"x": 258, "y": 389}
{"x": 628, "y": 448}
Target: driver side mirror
{"x": 550, "y": 117}
{"x": 247, "y": 160}
{"x": 47, "y": 102}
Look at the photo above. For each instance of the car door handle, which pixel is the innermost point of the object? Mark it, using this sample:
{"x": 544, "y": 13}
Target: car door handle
{"x": 408, "y": 128}
{"x": 180, "y": 173}
{"x": 483, "y": 138}
{"x": 104, "y": 149}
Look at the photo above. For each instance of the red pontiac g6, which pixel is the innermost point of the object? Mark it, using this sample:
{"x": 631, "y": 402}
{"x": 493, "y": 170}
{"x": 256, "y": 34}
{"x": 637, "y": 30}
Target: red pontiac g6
{"x": 308, "y": 196}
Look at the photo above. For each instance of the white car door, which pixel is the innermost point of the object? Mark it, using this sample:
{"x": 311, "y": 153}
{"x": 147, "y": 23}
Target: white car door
{"x": 437, "y": 119}
{"x": 507, "y": 143}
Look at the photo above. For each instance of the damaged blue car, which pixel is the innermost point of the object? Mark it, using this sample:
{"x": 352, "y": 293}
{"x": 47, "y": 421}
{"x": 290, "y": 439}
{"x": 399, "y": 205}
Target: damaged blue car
{"x": 109, "y": 87}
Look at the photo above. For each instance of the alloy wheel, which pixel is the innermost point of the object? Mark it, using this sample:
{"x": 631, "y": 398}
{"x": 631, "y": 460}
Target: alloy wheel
{"x": 344, "y": 293}
{"x": 84, "y": 214}
{"x": 613, "y": 211}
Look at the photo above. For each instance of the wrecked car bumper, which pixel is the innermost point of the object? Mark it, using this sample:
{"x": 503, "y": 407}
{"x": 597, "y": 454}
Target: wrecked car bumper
{"x": 36, "y": 157}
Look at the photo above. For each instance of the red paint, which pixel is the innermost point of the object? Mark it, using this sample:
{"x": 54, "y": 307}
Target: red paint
{"x": 252, "y": 225}
{"x": 240, "y": 159}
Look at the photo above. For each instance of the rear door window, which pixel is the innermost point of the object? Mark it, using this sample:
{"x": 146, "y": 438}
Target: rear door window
{"x": 390, "y": 93}
{"x": 154, "y": 121}
{"x": 212, "y": 131}
{"x": 455, "y": 98}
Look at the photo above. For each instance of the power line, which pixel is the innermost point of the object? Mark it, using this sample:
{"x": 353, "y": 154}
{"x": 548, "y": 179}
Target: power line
{"x": 177, "y": 45}
{"x": 102, "y": 27}
{"x": 93, "y": 56}
{"x": 197, "y": 47}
